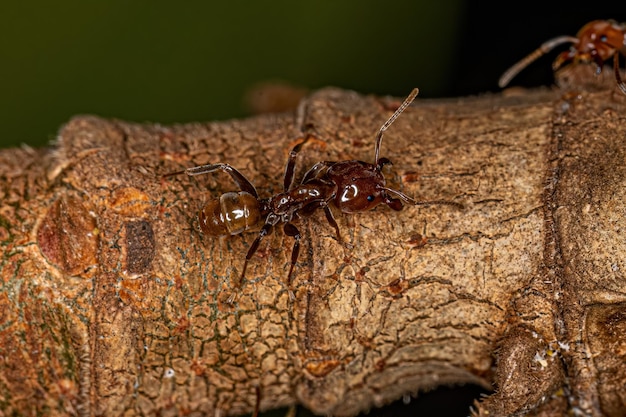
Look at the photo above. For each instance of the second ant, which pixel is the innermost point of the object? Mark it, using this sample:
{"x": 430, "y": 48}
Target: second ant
{"x": 595, "y": 42}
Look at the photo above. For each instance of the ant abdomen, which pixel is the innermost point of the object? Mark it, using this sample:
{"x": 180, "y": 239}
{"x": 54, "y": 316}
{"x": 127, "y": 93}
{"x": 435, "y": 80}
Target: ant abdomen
{"x": 231, "y": 214}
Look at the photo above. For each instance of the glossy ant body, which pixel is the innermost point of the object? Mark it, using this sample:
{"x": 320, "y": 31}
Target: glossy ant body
{"x": 351, "y": 186}
{"x": 595, "y": 42}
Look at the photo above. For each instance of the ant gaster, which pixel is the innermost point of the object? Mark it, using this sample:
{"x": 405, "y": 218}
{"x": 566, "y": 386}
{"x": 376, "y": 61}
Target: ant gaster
{"x": 351, "y": 186}
{"x": 595, "y": 42}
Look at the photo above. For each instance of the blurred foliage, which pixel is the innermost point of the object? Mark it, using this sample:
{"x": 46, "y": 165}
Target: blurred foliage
{"x": 171, "y": 62}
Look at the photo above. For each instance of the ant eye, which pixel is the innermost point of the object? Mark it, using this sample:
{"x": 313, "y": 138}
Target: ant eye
{"x": 603, "y": 38}
{"x": 370, "y": 198}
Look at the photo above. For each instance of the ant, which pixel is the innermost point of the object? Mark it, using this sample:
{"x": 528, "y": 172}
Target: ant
{"x": 595, "y": 42}
{"x": 351, "y": 186}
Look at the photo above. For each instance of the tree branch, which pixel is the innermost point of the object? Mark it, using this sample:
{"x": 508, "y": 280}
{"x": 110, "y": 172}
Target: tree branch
{"x": 113, "y": 303}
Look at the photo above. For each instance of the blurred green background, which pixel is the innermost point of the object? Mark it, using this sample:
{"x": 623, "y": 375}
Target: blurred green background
{"x": 166, "y": 62}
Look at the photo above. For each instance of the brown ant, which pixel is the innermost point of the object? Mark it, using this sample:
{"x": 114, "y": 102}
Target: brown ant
{"x": 595, "y": 42}
{"x": 351, "y": 186}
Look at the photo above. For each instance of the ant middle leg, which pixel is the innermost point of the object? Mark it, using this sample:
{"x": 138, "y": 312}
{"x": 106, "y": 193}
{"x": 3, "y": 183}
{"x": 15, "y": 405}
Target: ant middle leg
{"x": 316, "y": 170}
{"x": 331, "y": 219}
{"x": 291, "y": 164}
{"x": 291, "y": 230}
{"x": 311, "y": 207}
{"x": 265, "y": 230}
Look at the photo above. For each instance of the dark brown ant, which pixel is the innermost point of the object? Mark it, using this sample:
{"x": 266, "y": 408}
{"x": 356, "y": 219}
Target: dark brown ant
{"x": 595, "y": 42}
{"x": 351, "y": 186}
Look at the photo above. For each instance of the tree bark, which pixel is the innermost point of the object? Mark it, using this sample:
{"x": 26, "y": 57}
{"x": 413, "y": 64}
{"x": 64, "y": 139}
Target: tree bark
{"x": 114, "y": 303}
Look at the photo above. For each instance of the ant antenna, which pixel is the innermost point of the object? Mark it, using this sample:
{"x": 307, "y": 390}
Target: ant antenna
{"x": 413, "y": 202}
{"x": 533, "y": 56}
{"x": 379, "y": 136}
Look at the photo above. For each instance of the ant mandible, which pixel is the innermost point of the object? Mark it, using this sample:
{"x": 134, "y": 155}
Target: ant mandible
{"x": 351, "y": 186}
{"x": 595, "y": 42}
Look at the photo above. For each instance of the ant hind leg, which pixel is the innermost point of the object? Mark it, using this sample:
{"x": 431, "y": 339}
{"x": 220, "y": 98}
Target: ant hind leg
{"x": 242, "y": 182}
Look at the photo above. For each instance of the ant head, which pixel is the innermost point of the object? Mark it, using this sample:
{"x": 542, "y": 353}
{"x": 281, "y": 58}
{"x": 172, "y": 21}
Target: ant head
{"x": 602, "y": 36}
{"x": 360, "y": 186}
{"x": 596, "y": 42}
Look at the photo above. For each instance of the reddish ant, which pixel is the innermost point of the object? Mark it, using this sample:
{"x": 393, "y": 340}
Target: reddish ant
{"x": 595, "y": 42}
{"x": 351, "y": 186}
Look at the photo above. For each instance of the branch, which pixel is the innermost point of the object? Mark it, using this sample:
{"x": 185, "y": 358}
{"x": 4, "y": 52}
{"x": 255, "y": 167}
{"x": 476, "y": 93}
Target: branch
{"x": 114, "y": 303}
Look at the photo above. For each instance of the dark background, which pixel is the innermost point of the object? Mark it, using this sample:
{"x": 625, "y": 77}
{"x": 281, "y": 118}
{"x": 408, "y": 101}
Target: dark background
{"x": 157, "y": 61}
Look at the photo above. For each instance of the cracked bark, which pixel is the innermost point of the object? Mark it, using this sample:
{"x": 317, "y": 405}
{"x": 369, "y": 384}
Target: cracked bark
{"x": 113, "y": 303}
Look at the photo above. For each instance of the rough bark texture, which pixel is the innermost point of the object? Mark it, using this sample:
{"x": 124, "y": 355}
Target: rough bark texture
{"x": 112, "y": 303}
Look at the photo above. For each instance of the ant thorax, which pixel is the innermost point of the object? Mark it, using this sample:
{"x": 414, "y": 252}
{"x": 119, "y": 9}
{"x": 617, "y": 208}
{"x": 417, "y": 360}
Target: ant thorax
{"x": 313, "y": 194}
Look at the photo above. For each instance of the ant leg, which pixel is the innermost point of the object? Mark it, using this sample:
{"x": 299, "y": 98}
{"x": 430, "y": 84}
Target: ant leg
{"x": 242, "y": 182}
{"x": 255, "y": 245}
{"x": 291, "y": 164}
{"x": 311, "y": 207}
{"x": 267, "y": 227}
{"x": 257, "y": 404}
{"x": 291, "y": 230}
{"x": 332, "y": 221}
{"x": 618, "y": 76}
{"x": 316, "y": 170}
{"x": 599, "y": 64}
